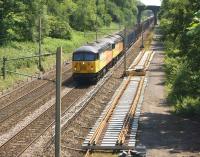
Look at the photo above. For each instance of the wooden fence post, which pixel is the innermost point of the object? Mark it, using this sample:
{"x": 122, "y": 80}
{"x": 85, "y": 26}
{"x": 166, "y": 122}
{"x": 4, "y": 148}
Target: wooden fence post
{"x": 4, "y": 68}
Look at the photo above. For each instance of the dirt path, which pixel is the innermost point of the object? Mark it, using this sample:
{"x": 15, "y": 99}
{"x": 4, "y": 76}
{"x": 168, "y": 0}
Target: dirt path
{"x": 164, "y": 134}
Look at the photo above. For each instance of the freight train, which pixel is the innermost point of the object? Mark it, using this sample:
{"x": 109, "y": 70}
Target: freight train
{"x": 91, "y": 62}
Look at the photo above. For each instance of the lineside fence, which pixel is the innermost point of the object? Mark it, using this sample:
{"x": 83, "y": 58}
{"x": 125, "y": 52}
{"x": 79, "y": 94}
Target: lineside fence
{"x": 6, "y": 61}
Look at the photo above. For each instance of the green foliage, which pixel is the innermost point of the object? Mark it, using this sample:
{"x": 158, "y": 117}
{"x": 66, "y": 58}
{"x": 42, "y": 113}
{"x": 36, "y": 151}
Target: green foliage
{"x": 180, "y": 25}
{"x": 123, "y": 11}
{"x": 59, "y": 29}
{"x": 84, "y": 16}
{"x": 188, "y": 106}
{"x": 20, "y": 19}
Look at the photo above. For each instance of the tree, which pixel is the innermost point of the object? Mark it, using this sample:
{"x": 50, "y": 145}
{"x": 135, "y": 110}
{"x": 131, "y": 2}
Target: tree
{"x": 180, "y": 25}
{"x": 1, "y": 23}
{"x": 20, "y": 19}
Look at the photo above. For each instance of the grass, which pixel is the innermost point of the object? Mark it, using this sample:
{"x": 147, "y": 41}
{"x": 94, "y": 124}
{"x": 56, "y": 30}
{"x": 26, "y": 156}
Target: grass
{"x": 49, "y": 45}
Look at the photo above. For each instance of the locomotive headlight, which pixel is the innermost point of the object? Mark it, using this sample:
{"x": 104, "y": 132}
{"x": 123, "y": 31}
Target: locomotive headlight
{"x": 83, "y": 63}
{"x": 75, "y": 68}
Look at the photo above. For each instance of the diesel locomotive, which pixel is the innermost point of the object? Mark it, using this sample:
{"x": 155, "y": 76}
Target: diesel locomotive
{"x": 91, "y": 62}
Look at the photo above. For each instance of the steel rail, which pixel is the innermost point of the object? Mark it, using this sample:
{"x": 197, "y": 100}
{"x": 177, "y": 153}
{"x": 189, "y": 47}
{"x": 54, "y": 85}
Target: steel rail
{"x": 7, "y": 116}
{"x": 96, "y": 135}
{"x": 39, "y": 118}
{"x": 48, "y": 73}
{"x": 107, "y": 116}
{"x": 48, "y": 127}
{"x": 30, "y": 92}
{"x": 98, "y": 86}
{"x": 34, "y": 101}
{"x": 45, "y": 110}
{"x": 120, "y": 62}
{"x": 132, "y": 110}
{"x": 126, "y": 125}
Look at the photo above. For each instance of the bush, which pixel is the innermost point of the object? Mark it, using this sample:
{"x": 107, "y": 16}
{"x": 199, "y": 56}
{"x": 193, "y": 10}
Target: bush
{"x": 115, "y": 12}
{"x": 183, "y": 84}
{"x": 107, "y": 20}
{"x": 59, "y": 29}
{"x": 188, "y": 106}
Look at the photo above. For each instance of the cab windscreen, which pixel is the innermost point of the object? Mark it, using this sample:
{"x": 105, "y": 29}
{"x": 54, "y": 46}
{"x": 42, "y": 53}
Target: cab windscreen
{"x": 84, "y": 57}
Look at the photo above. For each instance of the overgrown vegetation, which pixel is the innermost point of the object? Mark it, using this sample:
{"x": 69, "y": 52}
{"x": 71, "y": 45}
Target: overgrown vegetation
{"x": 180, "y": 25}
{"x": 20, "y": 19}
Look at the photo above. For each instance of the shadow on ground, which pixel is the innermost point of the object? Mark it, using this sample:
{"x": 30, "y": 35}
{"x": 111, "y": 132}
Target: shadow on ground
{"x": 166, "y": 131}
{"x": 163, "y": 133}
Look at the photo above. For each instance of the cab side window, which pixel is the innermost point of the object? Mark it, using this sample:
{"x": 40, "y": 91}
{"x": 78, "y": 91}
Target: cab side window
{"x": 113, "y": 46}
{"x": 101, "y": 56}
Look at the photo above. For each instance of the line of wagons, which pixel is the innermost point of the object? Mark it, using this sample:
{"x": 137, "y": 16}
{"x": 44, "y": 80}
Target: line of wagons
{"x": 91, "y": 62}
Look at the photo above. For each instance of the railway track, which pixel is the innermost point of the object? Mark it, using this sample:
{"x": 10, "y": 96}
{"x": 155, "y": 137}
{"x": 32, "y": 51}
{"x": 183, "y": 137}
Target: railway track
{"x": 26, "y": 100}
{"x": 13, "y": 115}
{"x": 76, "y": 129}
{"x": 119, "y": 130}
{"x": 20, "y": 93}
{"x": 117, "y": 126}
{"x": 42, "y": 92}
{"x": 19, "y": 143}
{"x": 112, "y": 126}
{"x": 18, "y": 121}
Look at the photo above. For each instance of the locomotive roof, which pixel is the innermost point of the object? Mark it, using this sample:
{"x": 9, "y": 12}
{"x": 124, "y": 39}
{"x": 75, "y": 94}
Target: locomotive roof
{"x": 100, "y": 45}
{"x": 112, "y": 38}
{"x": 95, "y": 47}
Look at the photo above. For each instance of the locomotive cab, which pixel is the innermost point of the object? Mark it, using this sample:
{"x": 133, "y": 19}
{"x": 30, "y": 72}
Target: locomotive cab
{"x": 88, "y": 61}
{"x": 85, "y": 62}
